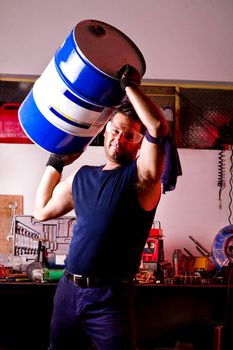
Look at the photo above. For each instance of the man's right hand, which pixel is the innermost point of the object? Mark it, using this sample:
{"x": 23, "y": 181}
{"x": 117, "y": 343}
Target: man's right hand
{"x": 129, "y": 76}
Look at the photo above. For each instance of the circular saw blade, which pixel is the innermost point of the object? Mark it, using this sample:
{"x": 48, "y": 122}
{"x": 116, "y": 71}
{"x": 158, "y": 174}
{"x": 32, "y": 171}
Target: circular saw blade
{"x": 222, "y": 248}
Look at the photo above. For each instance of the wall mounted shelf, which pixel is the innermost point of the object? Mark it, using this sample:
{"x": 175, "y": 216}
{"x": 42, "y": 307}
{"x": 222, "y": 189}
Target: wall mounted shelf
{"x": 200, "y": 109}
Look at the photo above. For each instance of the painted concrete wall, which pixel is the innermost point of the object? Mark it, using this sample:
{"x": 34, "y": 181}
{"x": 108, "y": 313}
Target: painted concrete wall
{"x": 192, "y": 209}
{"x": 182, "y": 39}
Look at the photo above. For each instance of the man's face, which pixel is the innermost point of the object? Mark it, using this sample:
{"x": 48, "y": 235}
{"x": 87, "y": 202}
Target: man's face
{"x": 122, "y": 139}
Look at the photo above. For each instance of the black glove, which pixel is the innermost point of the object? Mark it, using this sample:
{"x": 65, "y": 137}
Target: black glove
{"x": 129, "y": 76}
{"x": 59, "y": 161}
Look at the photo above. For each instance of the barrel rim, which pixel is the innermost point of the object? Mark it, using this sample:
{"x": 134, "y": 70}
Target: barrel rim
{"x": 135, "y": 47}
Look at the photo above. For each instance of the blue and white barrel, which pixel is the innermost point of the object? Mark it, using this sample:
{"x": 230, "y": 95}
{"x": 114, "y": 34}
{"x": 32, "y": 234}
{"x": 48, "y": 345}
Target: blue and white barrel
{"x": 69, "y": 103}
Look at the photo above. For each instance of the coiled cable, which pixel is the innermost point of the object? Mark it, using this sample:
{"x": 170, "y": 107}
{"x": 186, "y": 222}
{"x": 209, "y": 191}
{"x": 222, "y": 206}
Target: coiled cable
{"x": 230, "y": 184}
{"x": 221, "y": 175}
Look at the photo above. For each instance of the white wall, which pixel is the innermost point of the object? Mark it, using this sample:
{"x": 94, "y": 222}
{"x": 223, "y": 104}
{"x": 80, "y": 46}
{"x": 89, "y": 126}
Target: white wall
{"x": 182, "y": 39}
{"x": 192, "y": 209}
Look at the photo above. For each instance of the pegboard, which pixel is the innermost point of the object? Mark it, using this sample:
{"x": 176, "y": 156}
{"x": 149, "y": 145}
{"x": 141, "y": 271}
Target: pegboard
{"x": 56, "y": 235}
{"x": 202, "y": 113}
{"x": 7, "y": 221}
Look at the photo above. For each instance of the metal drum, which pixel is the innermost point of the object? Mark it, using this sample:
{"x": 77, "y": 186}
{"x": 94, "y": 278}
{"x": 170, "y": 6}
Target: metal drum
{"x": 69, "y": 103}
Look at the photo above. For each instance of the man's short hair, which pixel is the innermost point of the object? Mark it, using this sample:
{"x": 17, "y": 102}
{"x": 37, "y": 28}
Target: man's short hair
{"x": 127, "y": 109}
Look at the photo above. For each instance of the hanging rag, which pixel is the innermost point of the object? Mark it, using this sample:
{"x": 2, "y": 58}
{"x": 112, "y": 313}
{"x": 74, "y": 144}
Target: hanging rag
{"x": 172, "y": 166}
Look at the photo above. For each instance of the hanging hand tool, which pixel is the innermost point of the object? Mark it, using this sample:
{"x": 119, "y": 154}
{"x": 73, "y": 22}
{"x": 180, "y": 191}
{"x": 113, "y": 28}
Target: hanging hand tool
{"x": 11, "y": 232}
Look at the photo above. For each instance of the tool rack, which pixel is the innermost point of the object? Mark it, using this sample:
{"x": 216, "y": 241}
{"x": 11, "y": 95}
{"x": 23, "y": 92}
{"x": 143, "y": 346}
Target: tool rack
{"x": 55, "y": 235}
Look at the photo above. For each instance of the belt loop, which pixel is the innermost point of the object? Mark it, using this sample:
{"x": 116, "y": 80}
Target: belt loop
{"x": 88, "y": 282}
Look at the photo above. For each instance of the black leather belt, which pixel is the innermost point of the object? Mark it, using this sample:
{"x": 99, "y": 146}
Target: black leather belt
{"x": 94, "y": 282}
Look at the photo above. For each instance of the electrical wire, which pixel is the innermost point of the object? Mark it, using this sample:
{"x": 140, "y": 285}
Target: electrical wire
{"x": 221, "y": 169}
{"x": 230, "y": 184}
{"x": 221, "y": 175}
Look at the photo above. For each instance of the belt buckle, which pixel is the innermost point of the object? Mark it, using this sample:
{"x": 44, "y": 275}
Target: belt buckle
{"x": 79, "y": 281}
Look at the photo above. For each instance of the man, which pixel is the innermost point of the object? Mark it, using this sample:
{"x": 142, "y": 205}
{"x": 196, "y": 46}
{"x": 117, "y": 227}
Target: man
{"x": 115, "y": 206}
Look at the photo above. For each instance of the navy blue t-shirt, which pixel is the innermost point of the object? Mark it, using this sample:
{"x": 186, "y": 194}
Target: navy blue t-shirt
{"x": 112, "y": 228}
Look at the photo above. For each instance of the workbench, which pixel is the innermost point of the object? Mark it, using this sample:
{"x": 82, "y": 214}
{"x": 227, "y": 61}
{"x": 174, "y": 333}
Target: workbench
{"x": 164, "y": 314}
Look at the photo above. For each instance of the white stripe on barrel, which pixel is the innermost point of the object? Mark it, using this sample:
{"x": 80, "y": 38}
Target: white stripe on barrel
{"x": 59, "y": 105}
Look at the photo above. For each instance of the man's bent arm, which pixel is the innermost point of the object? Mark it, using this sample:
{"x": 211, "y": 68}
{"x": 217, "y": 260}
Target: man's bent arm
{"x": 53, "y": 197}
{"x": 151, "y": 159}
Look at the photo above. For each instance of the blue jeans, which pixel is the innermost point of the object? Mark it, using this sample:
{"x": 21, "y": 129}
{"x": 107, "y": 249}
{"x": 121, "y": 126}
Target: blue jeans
{"x": 105, "y": 316}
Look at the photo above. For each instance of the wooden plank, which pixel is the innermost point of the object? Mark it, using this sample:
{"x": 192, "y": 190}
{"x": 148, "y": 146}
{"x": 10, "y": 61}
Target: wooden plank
{"x": 6, "y": 201}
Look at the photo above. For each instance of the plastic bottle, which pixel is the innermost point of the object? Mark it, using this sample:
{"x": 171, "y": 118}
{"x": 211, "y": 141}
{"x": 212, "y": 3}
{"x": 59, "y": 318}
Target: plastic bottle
{"x": 177, "y": 262}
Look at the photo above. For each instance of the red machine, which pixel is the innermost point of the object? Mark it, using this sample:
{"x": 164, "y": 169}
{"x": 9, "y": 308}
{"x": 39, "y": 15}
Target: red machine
{"x": 10, "y": 128}
{"x": 153, "y": 250}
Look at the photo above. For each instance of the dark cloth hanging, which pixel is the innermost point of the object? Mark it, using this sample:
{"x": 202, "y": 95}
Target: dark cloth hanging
{"x": 172, "y": 166}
